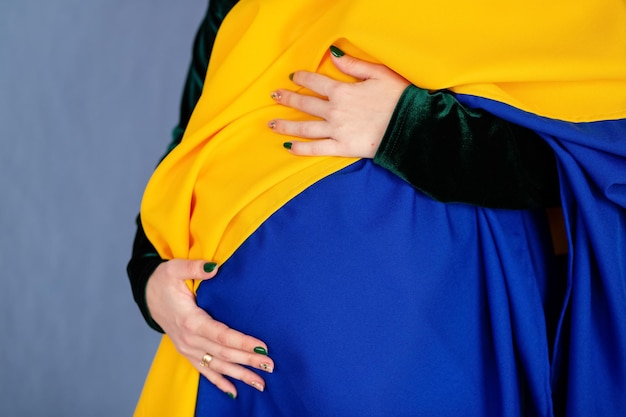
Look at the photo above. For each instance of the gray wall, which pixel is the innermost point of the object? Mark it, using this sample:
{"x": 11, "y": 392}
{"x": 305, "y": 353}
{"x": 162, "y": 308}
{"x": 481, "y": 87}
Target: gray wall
{"x": 89, "y": 93}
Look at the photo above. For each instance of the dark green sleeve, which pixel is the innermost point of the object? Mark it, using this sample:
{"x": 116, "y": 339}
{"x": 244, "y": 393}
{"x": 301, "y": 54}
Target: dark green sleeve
{"x": 202, "y": 48}
{"x": 144, "y": 259}
{"x": 456, "y": 154}
{"x": 143, "y": 262}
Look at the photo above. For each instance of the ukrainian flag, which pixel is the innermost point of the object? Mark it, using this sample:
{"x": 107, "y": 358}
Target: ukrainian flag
{"x": 556, "y": 67}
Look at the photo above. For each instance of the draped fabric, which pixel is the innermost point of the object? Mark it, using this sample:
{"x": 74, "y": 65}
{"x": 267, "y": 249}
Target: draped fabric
{"x": 558, "y": 68}
{"x": 589, "y": 357}
{"x": 375, "y": 309}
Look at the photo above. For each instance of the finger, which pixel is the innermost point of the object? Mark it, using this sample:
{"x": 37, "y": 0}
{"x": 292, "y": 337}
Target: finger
{"x": 220, "y": 382}
{"x": 217, "y": 379}
{"x": 324, "y": 147}
{"x": 231, "y": 346}
{"x": 192, "y": 269}
{"x": 217, "y": 375}
{"x": 313, "y": 106}
{"x": 199, "y": 331}
{"x": 195, "y": 332}
{"x": 355, "y": 67}
{"x": 307, "y": 129}
{"x": 219, "y": 333}
{"x": 318, "y": 83}
{"x": 228, "y": 361}
{"x": 223, "y": 368}
{"x": 252, "y": 359}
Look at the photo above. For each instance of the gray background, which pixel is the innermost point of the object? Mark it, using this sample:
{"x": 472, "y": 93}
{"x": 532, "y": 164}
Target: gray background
{"x": 89, "y": 93}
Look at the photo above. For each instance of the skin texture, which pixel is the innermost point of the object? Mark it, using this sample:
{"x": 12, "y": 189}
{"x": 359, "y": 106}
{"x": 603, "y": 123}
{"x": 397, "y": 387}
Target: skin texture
{"x": 353, "y": 119}
{"x": 194, "y": 333}
{"x": 354, "y": 116}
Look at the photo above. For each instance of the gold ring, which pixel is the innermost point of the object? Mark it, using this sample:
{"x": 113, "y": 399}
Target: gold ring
{"x": 206, "y": 359}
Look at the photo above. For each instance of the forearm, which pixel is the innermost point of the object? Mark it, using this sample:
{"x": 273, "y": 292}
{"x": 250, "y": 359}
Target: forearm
{"x": 455, "y": 154}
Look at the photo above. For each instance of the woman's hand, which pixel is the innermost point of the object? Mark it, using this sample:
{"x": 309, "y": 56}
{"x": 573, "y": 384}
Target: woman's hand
{"x": 354, "y": 115}
{"x": 195, "y": 334}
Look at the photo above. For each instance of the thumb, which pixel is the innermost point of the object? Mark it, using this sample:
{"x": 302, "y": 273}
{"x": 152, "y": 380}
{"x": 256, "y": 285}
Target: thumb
{"x": 194, "y": 269}
{"x": 352, "y": 66}
{"x": 209, "y": 270}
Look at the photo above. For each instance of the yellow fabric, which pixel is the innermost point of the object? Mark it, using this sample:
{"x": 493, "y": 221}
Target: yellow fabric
{"x": 561, "y": 59}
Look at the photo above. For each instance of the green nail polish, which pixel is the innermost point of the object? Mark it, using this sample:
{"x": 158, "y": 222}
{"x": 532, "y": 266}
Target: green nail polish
{"x": 336, "y": 51}
{"x": 287, "y": 145}
{"x": 231, "y": 395}
{"x": 209, "y": 266}
{"x": 291, "y": 76}
{"x": 260, "y": 350}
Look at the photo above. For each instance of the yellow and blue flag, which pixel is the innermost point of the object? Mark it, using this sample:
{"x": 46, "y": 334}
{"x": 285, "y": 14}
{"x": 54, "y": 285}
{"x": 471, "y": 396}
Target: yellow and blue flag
{"x": 423, "y": 278}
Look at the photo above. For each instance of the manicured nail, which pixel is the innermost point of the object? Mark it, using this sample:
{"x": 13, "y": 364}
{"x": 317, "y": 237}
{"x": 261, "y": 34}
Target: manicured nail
{"x": 231, "y": 395}
{"x": 287, "y": 145}
{"x": 261, "y": 350}
{"x": 266, "y": 367}
{"x": 209, "y": 266}
{"x": 291, "y": 76}
{"x": 276, "y": 95}
{"x": 336, "y": 51}
{"x": 257, "y": 386}
{"x": 271, "y": 124}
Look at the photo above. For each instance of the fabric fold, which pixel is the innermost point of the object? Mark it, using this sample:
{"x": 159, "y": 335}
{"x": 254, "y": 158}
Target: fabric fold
{"x": 230, "y": 173}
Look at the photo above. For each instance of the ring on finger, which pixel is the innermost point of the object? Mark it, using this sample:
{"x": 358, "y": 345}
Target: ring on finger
{"x": 206, "y": 359}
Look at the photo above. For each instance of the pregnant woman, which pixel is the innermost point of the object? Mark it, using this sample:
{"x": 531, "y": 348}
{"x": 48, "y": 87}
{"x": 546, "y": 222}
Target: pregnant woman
{"x": 370, "y": 180}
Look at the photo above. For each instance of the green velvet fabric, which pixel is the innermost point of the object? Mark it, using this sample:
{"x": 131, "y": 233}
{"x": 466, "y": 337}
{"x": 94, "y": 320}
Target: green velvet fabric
{"x": 202, "y": 48}
{"x": 145, "y": 259}
{"x": 143, "y": 262}
{"x": 455, "y": 154}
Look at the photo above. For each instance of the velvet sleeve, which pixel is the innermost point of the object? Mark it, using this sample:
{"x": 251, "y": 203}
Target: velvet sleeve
{"x": 456, "y": 154}
{"x": 145, "y": 259}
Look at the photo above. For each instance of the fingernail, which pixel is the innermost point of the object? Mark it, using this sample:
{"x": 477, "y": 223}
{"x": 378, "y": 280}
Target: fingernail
{"x": 291, "y": 76}
{"x": 287, "y": 145}
{"x": 276, "y": 95}
{"x": 336, "y": 51}
{"x": 209, "y": 266}
{"x": 261, "y": 350}
{"x": 271, "y": 124}
{"x": 231, "y": 395}
{"x": 266, "y": 367}
{"x": 257, "y": 386}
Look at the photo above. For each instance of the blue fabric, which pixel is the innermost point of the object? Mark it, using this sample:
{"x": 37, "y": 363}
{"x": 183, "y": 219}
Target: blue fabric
{"x": 589, "y": 366}
{"x": 375, "y": 300}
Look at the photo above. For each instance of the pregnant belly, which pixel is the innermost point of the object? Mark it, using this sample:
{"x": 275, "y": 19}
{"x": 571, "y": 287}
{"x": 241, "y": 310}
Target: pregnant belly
{"x": 373, "y": 300}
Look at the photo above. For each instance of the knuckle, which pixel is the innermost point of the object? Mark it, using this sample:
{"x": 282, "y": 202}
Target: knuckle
{"x": 185, "y": 350}
{"x": 184, "y": 342}
{"x": 222, "y": 335}
{"x": 340, "y": 89}
{"x": 191, "y": 269}
{"x": 187, "y": 324}
{"x": 295, "y": 100}
{"x": 168, "y": 266}
{"x": 301, "y": 129}
{"x": 334, "y": 113}
{"x": 217, "y": 366}
{"x": 225, "y": 355}
{"x": 316, "y": 150}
